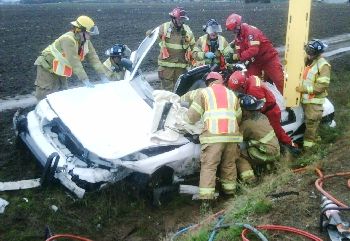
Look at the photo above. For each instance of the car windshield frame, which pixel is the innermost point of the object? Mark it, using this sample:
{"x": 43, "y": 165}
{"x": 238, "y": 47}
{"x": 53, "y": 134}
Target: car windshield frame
{"x": 137, "y": 80}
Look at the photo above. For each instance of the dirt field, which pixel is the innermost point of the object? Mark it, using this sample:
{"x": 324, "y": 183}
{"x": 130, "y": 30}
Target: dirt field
{"x": 117, "y": 213}
{"x": 27, "y": 29}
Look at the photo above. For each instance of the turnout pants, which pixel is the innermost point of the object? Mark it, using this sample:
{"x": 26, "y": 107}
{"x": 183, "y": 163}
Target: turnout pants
{"x": 254, "y": 156}
{"x": 47, "y": 83}
{"x": 168, "y": 76}
{"x": 216, "y": 156}
{"x": 313, "y": 116}
{"x": 273, "y": 71}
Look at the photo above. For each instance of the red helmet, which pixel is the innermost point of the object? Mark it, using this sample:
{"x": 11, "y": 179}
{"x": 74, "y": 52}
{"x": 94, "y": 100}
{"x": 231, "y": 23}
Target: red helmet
{"x": 237, "y": 80}
{"x": 214, "y": 75}
{"x": 179, "y": 13}
{"x": 232, "y": 21}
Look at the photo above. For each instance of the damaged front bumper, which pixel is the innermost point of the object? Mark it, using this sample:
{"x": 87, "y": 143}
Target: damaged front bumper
{"x": 65, "y": 159}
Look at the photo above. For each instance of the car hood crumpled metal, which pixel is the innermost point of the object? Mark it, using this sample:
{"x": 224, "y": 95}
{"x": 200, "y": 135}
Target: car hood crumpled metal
{"x": 110, "y": 120}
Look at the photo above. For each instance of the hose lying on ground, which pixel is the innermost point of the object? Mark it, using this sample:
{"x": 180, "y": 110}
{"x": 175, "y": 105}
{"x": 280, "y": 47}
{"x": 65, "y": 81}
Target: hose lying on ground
{"x": 319, "y": 183}
{"x": 219, "y": 226}
{"x": 283, "y": 228}
{"x": 70, "y": 236}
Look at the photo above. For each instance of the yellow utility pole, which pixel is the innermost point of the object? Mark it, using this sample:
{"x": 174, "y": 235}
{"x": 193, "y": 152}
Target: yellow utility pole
{"x": 296, "y": 38}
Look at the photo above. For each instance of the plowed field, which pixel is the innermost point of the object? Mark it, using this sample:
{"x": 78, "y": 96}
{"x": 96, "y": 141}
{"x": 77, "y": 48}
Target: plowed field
{"x": 112, "y": 214}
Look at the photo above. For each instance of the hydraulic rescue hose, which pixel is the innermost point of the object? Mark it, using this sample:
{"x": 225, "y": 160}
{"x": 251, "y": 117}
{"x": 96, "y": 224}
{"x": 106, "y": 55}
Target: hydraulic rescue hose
{"x": 247, "y": 227}
{"x": 219, "y": 226}
{"x": 70, "y": 236}
{"x": 319, "y": 183}
{"x": 283, "y": 228}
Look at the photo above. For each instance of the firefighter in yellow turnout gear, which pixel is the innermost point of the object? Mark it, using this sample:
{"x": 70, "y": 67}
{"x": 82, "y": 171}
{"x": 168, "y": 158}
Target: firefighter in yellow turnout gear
{"x": 316, "y": 79}
{"x": 212, "y": 48}
{"x": 63, "y": 58}
{"x": 176, "y": 43}
{"x": 117, "y": 62}
{"x": 260, "y": 146}
{"x": 220, "y": 110}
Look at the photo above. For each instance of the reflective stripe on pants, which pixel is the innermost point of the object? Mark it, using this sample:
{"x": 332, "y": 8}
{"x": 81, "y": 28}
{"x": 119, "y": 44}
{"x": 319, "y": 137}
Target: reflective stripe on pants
{"x": 213, "y": 155}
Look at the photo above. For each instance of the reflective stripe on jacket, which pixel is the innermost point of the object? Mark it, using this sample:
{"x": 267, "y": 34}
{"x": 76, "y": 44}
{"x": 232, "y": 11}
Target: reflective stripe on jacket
{"x": 111, "y": 70}
{"x": 311, "y": 78}
{"x": 260, "y": 136}
{"x": 175, "y": 46}
{"x": 202, "y": 47}
{"x": 219, "y": 108}
{"x": 260, "y": 144}
{"x": 60, "y": 64}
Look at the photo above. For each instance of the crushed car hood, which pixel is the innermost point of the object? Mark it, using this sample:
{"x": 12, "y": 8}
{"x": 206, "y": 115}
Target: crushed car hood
{"x": 110, "y": 120}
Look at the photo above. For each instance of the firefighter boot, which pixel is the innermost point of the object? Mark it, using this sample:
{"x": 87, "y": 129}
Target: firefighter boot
{"x": 245, "y": 171}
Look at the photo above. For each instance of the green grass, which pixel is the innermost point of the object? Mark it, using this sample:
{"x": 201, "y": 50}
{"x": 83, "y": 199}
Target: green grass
{"x": 252, "y": 201}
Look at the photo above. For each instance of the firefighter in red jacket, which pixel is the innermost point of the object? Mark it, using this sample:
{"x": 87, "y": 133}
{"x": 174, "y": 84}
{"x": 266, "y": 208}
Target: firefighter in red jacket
{"x": 255, "y": 50}
{"x": 252, "y": 85}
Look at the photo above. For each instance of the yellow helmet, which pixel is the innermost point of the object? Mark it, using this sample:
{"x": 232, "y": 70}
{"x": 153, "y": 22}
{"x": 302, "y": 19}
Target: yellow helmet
{"x": 86, "y": 24}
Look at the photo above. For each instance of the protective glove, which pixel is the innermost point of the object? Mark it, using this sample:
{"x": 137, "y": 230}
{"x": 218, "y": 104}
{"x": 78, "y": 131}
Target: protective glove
{"x": 243, "y": 145}
{"x": 209, "y": 55}
{"x": 88, "y": 84}
{"x": 149, "y": 32}
{"x": 235, "y": 57}
{"x": 127, "y": 64}
{"x": 185, "y": 104}
{"x": 103, "y": 78}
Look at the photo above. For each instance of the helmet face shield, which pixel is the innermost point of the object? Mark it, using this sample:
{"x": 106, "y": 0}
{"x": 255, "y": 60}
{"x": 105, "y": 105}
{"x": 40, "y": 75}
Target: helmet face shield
{"x": 179, "y": 14}
{"x": 93, "y": 30}
{"x": 184, "y": 18}
{"x": 213, "y": 29}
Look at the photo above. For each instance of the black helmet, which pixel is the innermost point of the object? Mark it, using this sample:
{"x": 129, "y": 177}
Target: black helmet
{"x": 116, "y": 50}
{"x": 315, "y": 47}
{"x": 249, "y": 102}
{"x": 212, "y": 26}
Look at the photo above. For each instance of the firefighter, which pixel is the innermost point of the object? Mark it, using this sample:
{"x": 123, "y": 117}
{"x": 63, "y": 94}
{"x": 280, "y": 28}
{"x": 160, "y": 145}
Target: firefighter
{"x": 63, "y": 58}
{"x": 117, "y": 62}
{"x": 315, "y": 82}
{"x": 176, "y": 44}
{"x": 260, "y": 145}
{"x": 255, "y": 50}
{"x": 212, "y": 48}
{"x": 220, "y": 110}
{"x": 252, "y": 85}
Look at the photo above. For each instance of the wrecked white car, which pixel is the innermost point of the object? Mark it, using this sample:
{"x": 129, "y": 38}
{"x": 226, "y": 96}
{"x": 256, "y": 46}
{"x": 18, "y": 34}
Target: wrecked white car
{"x": 89, "y": 137}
